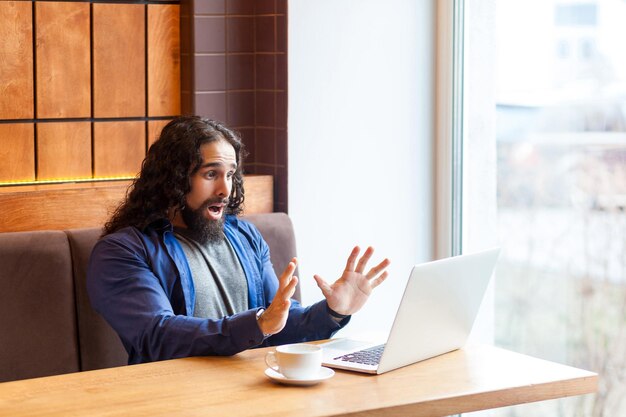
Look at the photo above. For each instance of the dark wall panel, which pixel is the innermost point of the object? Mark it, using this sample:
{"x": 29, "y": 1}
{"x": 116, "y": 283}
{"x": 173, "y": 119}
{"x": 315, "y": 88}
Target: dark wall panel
{"x": 247, "y": 41}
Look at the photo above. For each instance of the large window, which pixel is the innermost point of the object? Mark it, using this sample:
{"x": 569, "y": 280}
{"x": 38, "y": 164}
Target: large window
{"x": 559, "y": 112}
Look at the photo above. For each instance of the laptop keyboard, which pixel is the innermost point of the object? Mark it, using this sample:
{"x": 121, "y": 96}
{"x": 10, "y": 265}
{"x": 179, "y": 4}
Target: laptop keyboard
{"x": 370, "y": 356}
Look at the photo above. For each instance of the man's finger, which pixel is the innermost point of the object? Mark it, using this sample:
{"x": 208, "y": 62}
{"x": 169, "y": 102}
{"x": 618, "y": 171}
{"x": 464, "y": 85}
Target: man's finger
{"x": 352, "y": 258}
{"x": 287, "y": 291}
{"x": 291, "y": 288}
{"x": 282, "y": 299}
{"x": 285, "y": 277}
{"x": 364, "y": 259}
{"x": 323, "y": 285}
{"x": 378, "y": 268}
{"x": 375, "y": 283}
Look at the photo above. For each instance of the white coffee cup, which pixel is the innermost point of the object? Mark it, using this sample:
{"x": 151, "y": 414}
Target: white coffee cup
{"x": 297, "y": 361}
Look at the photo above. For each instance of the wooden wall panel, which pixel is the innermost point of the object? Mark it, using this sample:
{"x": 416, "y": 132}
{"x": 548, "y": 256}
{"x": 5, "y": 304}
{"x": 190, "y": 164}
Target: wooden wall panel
{"x": 17, "y": 152}
{"x": 59, "y": 206}
{"x": 63, "y": 150}
{"x": 259, "y": 194}
{"x": 63, "y": 59}
{"x": 119, "y": 148}
{"x": 66, "y": 206}
{"x": 119, "y": 60}
{"x": 16, "y": 60}
{"x": 163, "y": 60}
{"x": 154, "y": 130}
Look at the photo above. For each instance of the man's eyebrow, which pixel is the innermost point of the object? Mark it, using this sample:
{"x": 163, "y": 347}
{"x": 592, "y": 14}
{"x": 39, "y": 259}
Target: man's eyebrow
{"x": 217, "y": 164}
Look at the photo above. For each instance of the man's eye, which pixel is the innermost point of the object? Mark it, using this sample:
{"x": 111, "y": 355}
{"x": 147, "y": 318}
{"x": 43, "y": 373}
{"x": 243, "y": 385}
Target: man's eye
{"x": 210, "y": 174}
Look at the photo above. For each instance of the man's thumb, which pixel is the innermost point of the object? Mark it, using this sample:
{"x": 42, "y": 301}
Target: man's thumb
{"x": 323, "y": 285}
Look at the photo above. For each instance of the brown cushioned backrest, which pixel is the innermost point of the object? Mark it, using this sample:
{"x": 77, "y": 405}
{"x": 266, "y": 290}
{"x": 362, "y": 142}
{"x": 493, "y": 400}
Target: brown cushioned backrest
{"x": 277, "y": 230}
{"x": 100, "y": 346}
{"x": 37, "y": 313}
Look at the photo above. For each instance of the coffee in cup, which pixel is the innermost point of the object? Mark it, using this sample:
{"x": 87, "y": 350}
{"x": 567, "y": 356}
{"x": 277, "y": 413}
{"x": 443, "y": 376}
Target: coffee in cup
{"x": 296, "y": 361}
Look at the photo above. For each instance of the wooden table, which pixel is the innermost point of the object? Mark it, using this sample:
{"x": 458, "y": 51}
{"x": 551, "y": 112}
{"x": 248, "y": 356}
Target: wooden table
{"x": 474, "y": 378}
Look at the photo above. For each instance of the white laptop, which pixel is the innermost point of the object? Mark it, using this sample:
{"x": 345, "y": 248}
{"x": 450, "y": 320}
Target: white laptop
{"x": 435, "y": 316}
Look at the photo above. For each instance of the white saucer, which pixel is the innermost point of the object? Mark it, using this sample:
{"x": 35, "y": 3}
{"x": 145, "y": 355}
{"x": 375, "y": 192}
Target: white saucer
{"x": 325, "y": 373}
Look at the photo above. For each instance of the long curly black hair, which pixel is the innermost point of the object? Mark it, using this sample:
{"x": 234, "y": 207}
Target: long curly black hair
{"x": 164, "y": 182}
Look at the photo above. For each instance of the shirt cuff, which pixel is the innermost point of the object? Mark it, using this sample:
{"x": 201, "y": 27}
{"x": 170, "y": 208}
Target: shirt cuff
{"x": 335, "y": 319}
{"x": 245, "y": 331}
{"x": 336, "y": 315}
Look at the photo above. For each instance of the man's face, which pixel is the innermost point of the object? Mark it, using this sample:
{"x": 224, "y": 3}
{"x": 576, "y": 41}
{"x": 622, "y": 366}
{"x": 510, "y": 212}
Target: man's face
{"x": 210, "y": 189}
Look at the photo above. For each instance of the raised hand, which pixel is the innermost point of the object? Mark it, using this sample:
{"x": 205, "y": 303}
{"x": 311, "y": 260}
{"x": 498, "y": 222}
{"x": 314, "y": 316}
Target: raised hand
{"x": 350, "y": 292}
{"x": 275, "y": 316}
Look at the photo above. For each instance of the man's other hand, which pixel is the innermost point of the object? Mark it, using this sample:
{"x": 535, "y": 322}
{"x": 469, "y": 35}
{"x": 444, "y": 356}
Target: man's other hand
{"x": 350, "y": 292}
{"x": 275, "y": 316}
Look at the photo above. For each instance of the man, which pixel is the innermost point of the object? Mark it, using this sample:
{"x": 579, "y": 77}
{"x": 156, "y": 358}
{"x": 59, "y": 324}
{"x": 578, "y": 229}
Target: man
{"x": 177, "y": 274}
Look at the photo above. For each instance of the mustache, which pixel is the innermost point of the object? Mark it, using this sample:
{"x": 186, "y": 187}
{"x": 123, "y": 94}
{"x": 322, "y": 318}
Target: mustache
{"x": 215, "y": 200}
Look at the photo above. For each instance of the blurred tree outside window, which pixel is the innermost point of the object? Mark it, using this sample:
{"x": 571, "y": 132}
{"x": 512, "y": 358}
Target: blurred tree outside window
{"x": 560, "y": 290}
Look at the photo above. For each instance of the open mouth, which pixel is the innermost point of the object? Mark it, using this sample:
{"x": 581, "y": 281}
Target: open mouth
{"x": 215, "y": 211}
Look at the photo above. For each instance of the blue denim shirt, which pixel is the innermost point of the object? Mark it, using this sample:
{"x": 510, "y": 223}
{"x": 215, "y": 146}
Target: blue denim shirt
{"x": 140, "y": 282}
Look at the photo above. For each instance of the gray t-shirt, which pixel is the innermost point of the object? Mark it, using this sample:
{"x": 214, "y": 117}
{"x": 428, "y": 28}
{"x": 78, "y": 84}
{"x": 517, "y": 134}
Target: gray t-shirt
{"x": 219, "y": 280}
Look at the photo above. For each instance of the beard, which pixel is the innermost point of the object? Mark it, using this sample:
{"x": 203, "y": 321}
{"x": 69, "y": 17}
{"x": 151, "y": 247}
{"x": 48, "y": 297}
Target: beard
{"x": 200, "y": 228}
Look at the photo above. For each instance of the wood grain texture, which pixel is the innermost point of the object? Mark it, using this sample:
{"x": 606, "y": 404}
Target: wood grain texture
{"x": 58, "y": 207}
{"x": 467, "y": 380}
{"x": 119, "y": 148}
{"x": 63, "y": 59}
{"x": 259, "y": 194}
{"x": 163, "y": 60}
{"x": 63, "y": 150}
{"x": 67, "y": 206}
{"x": 119, "y": 64}
{"x": 17, "y": 152}
{"x": 16, "y": 62}
{"x": 154, "y": 130}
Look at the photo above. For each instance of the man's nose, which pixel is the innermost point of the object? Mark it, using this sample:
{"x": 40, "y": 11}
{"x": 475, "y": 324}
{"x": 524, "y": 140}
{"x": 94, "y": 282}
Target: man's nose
{"x": 223, "y": 188}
